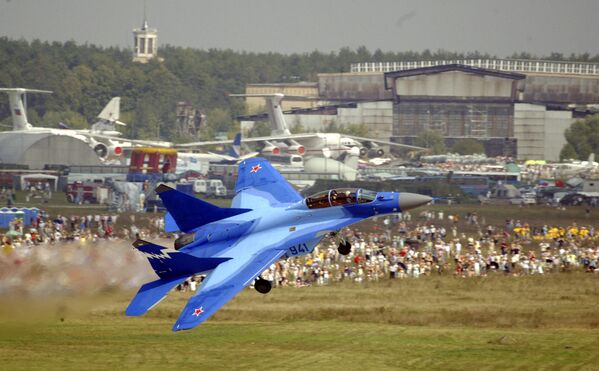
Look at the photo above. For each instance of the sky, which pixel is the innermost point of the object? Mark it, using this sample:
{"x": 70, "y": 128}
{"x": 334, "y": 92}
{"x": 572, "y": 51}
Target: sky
{"x": 497, "y": 27}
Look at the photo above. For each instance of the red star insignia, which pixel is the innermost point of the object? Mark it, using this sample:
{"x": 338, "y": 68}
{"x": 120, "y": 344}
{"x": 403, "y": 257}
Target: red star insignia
{"x": 255, "y": 168}
{"x": 198, "y": 311}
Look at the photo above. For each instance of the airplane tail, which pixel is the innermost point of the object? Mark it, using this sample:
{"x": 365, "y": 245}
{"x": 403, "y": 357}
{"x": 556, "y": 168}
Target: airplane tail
{"x": 235, "y": 149}
{"x": 173, "y": 267}
{"x": 185, "y": 212}
{"x": 112, "y": 110}
{"x": 18, "y": 106}
{"x": 109, "y": 116}
{"x": 275, "y": 113}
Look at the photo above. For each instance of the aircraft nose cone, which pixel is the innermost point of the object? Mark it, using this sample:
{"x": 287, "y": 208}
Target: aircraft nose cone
{"x": 409, "y": 201}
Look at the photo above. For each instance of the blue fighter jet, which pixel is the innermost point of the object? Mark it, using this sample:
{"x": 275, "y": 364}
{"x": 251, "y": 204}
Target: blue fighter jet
{"x": 268, "y": 220}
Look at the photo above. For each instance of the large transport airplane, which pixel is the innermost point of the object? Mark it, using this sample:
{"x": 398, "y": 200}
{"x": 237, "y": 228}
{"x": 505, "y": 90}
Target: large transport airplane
{"x": 268, "y": 220}
{"x": 108, "y": 117}
{"x": 102, "y": 137}
{"x": 331, "y": 145}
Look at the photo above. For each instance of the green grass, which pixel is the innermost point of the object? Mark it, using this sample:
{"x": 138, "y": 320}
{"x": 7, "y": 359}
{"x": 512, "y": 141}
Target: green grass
{"x": 496, "y": 322}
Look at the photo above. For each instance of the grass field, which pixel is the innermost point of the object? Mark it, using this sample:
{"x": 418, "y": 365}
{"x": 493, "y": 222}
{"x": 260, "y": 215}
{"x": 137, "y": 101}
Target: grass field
{"x": 497, "y": 322}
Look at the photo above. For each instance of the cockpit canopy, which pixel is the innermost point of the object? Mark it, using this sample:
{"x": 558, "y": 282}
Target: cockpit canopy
{"x": 340, "y": 197}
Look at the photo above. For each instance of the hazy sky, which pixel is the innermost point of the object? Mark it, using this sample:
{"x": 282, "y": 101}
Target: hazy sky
{"x": 499, "y": 27}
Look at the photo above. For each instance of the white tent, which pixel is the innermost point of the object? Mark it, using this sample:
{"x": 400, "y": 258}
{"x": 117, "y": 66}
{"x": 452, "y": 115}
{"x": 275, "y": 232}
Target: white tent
{"x": 38, "y": 177}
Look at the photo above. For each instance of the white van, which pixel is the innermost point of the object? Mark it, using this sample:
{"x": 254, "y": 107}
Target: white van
{"x": 210, "y": 187}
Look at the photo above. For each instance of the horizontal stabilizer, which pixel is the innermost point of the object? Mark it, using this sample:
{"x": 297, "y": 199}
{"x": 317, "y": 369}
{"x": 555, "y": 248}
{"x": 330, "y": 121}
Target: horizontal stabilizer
{"x": 188, "y": 212}
{"x": 151, "y": 294}
{"x": 169, "y": 263}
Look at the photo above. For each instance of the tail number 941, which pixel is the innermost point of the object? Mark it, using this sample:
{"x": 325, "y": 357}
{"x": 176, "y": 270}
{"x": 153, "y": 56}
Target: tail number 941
{"x": 300, "y": 249}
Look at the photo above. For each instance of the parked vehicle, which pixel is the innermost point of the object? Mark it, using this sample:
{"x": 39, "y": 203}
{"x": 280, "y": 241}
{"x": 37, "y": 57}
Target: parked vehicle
{"x": 210, "y": 187}
{"x": 528, "y": 198}
{"x": 82, "y": 192}
{"x": 523, "y": 201}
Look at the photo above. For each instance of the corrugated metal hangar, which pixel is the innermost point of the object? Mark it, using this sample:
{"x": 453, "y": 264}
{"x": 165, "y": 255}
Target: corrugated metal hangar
{"x": 516, "y": 108}
{"x": 458, "y": 102}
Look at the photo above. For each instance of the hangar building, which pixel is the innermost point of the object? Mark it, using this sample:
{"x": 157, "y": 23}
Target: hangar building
{"x": 297, "y": 89}
{"x": 515, "y": 107}
{"x": 458, "y": 102}
{"x": 39, "y": 148}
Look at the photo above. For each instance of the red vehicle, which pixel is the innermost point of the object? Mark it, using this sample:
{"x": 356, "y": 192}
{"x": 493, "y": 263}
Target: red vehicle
{"x": 82, "y": 192}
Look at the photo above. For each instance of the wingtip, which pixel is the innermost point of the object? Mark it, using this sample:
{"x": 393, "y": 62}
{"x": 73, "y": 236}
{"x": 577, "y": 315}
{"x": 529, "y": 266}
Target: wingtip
{"x": 134, "y": 312}
{"x": 162, "y": 188}
{"x": 177, "y": 327}
{"x": 139, "y": 242}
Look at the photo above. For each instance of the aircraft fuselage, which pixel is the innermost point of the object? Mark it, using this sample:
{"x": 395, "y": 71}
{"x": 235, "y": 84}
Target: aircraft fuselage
{"x": 215, "y": 239}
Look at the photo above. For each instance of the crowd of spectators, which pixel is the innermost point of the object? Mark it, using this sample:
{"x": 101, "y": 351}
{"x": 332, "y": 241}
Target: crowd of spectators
{"x": 47, "y": 230}
{"x": 393, "y": 247}
{"x": 401, "y": 249}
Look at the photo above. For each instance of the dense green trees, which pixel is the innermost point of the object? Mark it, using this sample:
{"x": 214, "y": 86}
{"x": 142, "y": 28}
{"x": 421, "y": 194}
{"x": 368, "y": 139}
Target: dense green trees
{"x": 85, "y": 77}
{"x": 582, "y": 139}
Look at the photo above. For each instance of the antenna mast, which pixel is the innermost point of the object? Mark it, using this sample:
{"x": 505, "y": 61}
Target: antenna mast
{"x": 145, "y": 22}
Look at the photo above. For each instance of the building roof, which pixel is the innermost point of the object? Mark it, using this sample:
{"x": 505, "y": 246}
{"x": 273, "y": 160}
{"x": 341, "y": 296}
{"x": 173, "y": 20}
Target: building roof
{"x": 452, "y": 67}
{"x": 511, "y": 65}
{"x": 37, "y": 148}
{"x": 300, "y": 84}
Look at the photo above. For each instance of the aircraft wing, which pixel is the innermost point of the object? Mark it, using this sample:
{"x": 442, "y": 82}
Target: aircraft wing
{"x": 251, "y": 256}
{"x": 298, "y": 136}
{"x": 202, "y": 144}
{"x": 212, "y": 297}
{"x": 281, "y": 137}
{"x": 248, "y": 140}
{"x": 260, "y": 185}
{"x": 385, "y": 142}
{"x": 120, "y": 139}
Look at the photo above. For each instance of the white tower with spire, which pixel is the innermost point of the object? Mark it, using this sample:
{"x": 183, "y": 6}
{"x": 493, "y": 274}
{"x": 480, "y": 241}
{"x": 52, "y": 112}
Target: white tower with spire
{"x": 145, "y": 42}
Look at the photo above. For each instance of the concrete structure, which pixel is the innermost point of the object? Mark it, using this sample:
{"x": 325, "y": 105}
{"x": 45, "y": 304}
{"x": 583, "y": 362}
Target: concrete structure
{"x": 37, "y": 149}
{"x": 547, "y": 82}
{"x": 342, "y": 87}
{"x": 514, "y": 106}
{"x": 309, "y": 90}
{"x": 540, "y": 132}
{"x": 458, "y": 102}
{"x": 551, "y": 90}
{"x": 145, "y": 43}
{"x": 559, "y": 91}
{"x": 378, "y": 116}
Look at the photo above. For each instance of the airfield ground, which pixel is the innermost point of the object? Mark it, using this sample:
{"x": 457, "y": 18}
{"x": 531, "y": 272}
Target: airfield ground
{"x": 491, "y": 214}
{"x": 436, "y": 322}
{"x": 549, "y": 322}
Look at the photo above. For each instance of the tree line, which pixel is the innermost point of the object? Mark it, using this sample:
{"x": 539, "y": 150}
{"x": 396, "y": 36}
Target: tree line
{"x": 85, "y": 77}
